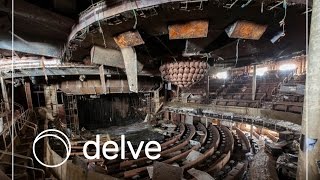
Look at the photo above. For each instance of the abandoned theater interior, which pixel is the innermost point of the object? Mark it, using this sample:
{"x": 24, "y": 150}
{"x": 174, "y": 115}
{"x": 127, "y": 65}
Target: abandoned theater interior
{"x": 212, "y": 89}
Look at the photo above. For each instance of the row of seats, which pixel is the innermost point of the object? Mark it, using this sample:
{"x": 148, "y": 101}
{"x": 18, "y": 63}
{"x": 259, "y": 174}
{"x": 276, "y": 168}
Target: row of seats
{"x": 215, "y": 143}
{"x": 238, "y": 92}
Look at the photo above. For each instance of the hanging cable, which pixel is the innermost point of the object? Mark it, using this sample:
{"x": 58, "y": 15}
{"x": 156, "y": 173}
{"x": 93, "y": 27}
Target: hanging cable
{"x": 246, "y": 4}
{"x": 135, "y": 15}
{"x": 282, "y": 22}
{"x": 136, "y": 20}
{"x": 237, "y": 52}
{"x": 229, "y": 6}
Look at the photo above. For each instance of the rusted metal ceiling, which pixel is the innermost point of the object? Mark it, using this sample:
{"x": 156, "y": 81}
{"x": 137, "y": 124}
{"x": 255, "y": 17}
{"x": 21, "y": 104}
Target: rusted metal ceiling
{"x": 151, "y": 18}
{"x": 246, "y": 30}
{"x": 152, "y": 24}
{"x": 128, "y": 39}
{"x": 193, "y": 29}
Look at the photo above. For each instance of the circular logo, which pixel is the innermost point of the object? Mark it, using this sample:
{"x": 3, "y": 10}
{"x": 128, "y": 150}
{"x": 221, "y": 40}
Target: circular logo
{"x": 42, "y": 135}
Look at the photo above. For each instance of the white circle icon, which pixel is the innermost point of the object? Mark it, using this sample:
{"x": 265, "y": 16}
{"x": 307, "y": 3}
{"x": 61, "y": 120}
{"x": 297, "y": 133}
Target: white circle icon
{"x": 42, "y": 135}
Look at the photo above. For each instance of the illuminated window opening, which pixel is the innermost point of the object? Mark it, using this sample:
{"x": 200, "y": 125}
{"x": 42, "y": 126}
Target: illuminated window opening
{"x": 222, "y": 75}
{"x": 261, "y": 71}
{"x": 287, "y": 67}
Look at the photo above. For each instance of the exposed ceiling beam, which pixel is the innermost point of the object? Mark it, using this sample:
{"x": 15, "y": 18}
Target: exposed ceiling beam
{"x": 37, "y": 48}
{"x": 31, "y": 12}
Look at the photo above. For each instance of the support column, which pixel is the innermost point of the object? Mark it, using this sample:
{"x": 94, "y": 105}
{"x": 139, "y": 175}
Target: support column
{"x": 4, "y": 93}
{"x": 254, "y": 82}
{"x": 131, "y": 64}
{"x": 251, "y": 130}
{"x": 208, "y": 89}
{"x": 102, "y": 79}
{"x": 28, "y": 94}
{"x": 156, "y": 99}
{"x": 50, "y": 95}
{"x": 309, "y": 155}
{"x": 206, "y": 122}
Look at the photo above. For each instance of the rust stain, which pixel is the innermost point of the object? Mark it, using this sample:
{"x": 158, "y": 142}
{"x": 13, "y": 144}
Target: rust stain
{"x": 246, "y": 30}
{"x": 192, "y": 29}
{"x": 128, "y": 39}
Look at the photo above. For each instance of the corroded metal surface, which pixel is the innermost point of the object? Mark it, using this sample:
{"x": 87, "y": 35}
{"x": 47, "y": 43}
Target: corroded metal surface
{"x": 128, "y": 39}
{"x": 94, "y": 86}
{"x": 193, "y": 29}
{"x": 246, "y": 30}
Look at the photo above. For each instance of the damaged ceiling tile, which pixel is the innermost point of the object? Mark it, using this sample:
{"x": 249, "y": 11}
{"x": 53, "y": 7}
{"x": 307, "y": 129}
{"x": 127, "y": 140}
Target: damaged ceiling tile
{"x": 128, "y": 39}
{"x": 246, "y": 30}
{"x": 192, "y": 29}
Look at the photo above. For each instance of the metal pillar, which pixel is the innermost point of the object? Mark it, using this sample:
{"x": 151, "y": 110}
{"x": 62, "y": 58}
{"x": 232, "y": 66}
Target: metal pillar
{"x": 206, "y": 122}
{"x": 208, "y": 89}
{"x": 156, "y": 100}
{"x": 254, "y": 82}
{"x": 102, "y": 79}
{"x": 309, "y": 155}
{"x": 4, "y": 93}
{"x": 251, "y": 130}
{"x": 28, "y": 94}
{"x": 50, "y": 95}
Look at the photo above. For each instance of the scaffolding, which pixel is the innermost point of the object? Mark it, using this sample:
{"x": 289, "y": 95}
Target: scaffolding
{"x": 71, "y": 111}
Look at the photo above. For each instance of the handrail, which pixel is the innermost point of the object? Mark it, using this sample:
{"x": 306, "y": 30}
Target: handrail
{"x": 264, "y": 95}
{"x": 19, "y": 108}
{"x": 27, "y": 167}
{"x": 19, "y": 156}
{"x": 18, "y": 124}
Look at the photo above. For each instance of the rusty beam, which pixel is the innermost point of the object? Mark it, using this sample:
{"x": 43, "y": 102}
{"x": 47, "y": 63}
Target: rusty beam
{"x": 246, "y": 30}
{"x": 28, "y": 94}
{"x": 102, "y": 79}
{"x": 128, "y": 39}
{"x": 4, "y": 93}
{"x": 192, "y": 29}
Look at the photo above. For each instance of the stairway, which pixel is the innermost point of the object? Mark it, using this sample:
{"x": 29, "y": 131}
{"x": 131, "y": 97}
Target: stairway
{"x": 25, "y": 130}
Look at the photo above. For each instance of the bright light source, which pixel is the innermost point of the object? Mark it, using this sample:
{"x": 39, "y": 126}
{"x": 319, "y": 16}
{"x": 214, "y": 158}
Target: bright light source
{"x": 261, "y": 71}
{"x": 286, "y": 67}
{"x": 222, "y": 75}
